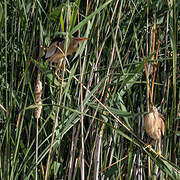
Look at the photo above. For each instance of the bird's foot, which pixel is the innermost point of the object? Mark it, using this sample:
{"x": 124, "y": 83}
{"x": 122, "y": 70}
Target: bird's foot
{"x": 60, "y": 80}
{"x": 149, "y": 146}
{"x": 158, "y": 154}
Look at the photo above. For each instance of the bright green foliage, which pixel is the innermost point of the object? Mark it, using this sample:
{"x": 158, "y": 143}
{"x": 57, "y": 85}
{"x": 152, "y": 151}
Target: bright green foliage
{"x": 99, "y": 111}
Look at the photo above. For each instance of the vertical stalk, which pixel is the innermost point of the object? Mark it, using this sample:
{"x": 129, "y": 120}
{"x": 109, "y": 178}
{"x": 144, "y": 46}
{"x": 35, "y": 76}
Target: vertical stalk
{"x": 147, "y": 52}
{"x": 38, "y": 94}
{"x": 37, "y": 132}
{"x": 82, "y": 123}
{"x": 174, "y": 39}
{"x": 174, "y": 52}
{"x": 7, "y": 145}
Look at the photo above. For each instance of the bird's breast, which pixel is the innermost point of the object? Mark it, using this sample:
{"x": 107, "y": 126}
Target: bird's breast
{"x": 152, "y": 124}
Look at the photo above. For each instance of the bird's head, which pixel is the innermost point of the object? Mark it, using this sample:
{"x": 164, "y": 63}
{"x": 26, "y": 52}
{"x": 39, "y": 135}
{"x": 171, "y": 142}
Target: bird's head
{"x": 74, "y": 44}
{"x": 154, "y": 109}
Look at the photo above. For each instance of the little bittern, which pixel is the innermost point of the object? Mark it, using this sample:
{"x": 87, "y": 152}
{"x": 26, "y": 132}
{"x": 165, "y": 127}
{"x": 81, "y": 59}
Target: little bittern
{"x": 56, "y": 51}
{"x": 154, "y": 125}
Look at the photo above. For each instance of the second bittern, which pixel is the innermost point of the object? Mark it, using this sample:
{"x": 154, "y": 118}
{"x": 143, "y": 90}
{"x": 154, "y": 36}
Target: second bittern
{"x": 56, "y": 51}
{"x": 154, "y": 125}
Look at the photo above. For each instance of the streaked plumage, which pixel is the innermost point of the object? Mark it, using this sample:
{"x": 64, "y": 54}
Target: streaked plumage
{"x": 56, "y": 51}
{"x": 154, "y": 124}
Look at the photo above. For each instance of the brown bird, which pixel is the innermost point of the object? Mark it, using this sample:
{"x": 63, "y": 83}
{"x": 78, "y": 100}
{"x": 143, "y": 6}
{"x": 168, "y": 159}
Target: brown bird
{"x": 56, "y": 51}
{"x": 154, "y": 125}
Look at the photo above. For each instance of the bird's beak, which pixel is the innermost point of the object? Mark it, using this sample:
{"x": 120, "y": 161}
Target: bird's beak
{"x": 81, "y": 39}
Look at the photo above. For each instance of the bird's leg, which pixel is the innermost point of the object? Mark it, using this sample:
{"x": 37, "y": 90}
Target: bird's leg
{"x": 59, "y": 79}
{"x": 57, "y": 69}
{"x": 59, "y": 66}
{"x": 149, "y": 146}
{"x": 158, "y": 147}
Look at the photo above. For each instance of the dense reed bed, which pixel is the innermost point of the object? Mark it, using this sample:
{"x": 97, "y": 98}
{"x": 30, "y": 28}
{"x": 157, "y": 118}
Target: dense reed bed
{"x": 91, "y": 126}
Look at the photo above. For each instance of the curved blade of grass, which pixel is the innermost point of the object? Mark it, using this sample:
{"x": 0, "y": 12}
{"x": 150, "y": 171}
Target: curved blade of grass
{"x": 83, "y": 22}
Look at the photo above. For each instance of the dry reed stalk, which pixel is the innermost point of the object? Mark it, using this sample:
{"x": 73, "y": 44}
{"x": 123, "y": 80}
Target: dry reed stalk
{"x": 38, "y": 94}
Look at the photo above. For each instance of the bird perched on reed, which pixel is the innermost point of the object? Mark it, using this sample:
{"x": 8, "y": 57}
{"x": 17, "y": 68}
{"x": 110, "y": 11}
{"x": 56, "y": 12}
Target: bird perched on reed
{"x": 56, "y": 51}
{"x": 154, "y": 125}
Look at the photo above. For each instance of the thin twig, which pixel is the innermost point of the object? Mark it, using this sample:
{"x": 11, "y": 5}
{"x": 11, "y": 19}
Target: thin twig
{"x": 146, "y": 73}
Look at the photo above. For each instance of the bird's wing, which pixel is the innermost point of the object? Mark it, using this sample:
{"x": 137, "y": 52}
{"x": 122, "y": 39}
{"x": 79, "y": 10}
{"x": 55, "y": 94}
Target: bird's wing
{"x": 51, "y": 50}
